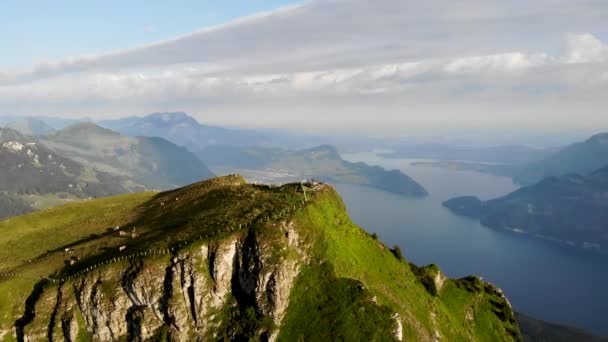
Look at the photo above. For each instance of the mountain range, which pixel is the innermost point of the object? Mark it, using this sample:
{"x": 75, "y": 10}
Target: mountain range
{"x": 257, "y": 156}
{"x": 579, "y": 158}
{"x": 183, "y": 130}
{"x": 321, "y": 162}
{"x": 54, "y": 163}
{"x": 86, "y": 161}
{"x": 152, "y": 162}
{"x": 499, "y": 154}
{"x": 31, "y": 126}
{"x": 54, "y": 122}
{"x": 572, "y": 209}
{"x": 35, "y": 176}
{"x": 525, "y": 166}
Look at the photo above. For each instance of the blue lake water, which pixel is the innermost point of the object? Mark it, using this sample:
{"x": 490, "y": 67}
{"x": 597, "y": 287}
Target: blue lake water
{"x": 540, "y": 278}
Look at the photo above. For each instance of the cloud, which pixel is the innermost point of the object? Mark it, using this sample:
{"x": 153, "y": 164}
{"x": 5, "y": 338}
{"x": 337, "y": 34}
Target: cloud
{"x": 585, "y": 48}
{"x": 401, "y": 63}
{"x": 506, "y": 62}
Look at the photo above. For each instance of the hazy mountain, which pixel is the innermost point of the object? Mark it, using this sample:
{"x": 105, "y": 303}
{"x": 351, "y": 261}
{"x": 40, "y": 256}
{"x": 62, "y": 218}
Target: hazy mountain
{"x": 31, "y": 126}
{"x": 578, "y": 158}
{"x": 12, "y": 205}
{"x": 152, "y": 162}
{"x": 572, "y": 209}
{"x": 501, "y": 154}
{"x": 54, "y": 122}
{"x": 30, "y": 167}
{"x": 223, "y": 260}
{"x": 525, "y": 165}
{"x": 534, "y": 330}
{"x": 183, "y": 130}
{"x": 321, "y": 162}
{"x": 31, "y": 172}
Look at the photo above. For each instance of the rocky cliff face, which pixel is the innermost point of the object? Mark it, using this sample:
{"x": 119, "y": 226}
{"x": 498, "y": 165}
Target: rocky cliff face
{"x": 182, "y": 296}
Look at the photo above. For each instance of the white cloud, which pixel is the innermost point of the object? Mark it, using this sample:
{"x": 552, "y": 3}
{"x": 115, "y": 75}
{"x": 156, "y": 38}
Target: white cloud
{"x": 404, "y": 63}
{"x": 506, "y": 62}
{"x": 585, "y": 48}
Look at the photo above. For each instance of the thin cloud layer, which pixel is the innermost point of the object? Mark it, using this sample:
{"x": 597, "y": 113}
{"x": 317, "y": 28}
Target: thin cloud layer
{"x": 357, "y": 65}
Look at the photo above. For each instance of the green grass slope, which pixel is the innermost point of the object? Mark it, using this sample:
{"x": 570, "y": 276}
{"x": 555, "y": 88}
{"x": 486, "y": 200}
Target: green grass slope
{"x": 349, "y": 285}
{"x": 458, "y": 311}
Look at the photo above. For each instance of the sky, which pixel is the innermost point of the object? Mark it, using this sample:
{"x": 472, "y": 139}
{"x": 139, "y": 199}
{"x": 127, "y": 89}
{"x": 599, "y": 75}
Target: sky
{"x": 381, "y": 67}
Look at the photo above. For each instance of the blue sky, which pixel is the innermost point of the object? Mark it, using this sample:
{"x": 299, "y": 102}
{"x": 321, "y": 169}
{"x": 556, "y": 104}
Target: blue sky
{"x": 372, "y": 66}
{"x": 35, "y": 31}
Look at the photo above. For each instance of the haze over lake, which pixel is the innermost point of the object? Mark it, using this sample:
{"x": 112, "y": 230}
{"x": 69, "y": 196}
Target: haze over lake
{"x": 540, "y": 278}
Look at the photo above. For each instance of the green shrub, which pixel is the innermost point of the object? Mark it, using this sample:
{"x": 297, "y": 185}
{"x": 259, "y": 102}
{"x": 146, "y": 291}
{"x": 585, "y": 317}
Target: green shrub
{"x": 397, "y": 252}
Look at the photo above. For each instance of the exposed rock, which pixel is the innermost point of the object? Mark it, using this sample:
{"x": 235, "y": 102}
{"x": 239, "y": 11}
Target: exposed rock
{"x": 221, "y": 260}
{"x": 138, "y": 298}
{"x": 439, "y": 279}
{"x": 13, "y": 146}
{"x": 399, "y": 329}
{"x": 468, "y": 315}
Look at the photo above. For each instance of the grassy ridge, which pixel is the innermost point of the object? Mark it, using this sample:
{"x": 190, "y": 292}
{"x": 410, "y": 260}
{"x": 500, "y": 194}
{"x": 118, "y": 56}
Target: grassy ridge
{"x": 34, "y": 244}
{"x": 27, "y": 242}
{"x": 354, "y": 254}
{"x": 351, "y": 287}
{"x": 24, "y": 238}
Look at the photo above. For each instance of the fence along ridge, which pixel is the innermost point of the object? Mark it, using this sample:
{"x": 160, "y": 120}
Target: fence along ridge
{"x": 163, "y": 251}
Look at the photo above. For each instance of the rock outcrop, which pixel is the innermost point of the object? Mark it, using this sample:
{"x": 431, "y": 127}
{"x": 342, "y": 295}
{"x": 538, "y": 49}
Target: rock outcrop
{"x": 180, "y": 295}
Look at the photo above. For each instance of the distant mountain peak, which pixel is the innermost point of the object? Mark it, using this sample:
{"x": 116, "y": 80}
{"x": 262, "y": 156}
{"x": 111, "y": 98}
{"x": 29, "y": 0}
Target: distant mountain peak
{"x": 600, "y": 138}
{"x": 31, "y": 126}
{"x": 172, "y": 118}
{"x": 184, "y": 130}
{"x": 9, "y": 134}
{"x": 326, "y": 150}
{"x": 85, "y": 128}
{"x": 581, "y": 158}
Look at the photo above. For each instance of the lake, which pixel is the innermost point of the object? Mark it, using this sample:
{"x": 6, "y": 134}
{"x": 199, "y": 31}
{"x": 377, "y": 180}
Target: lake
{"x": 541, "y": 278}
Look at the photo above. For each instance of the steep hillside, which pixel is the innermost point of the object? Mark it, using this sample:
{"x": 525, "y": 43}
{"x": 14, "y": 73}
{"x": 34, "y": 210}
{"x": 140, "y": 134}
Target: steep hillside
{"x": 321, "y": 162}
{"x": 30, "y": 167}
{"x": 572, "y": 209}
{"x": 152, "y": 162}
{"x": 580, "y": 158}
{"x": 226, "y": 260}
{"x": 11, "y": 205}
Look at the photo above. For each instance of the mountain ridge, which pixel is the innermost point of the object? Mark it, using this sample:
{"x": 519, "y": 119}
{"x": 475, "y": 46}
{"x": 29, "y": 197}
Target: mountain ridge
{"x": 182, "y": 129}
{"x": 33, "y": 173}
{"x": 151, "y": 161}
{"x": 321, "y": 162}
{"x": 227, "y": 260}
{"x": 571, "y": 209}
{"x": 578, "y": 158}
{"x": 31, "y": 126}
